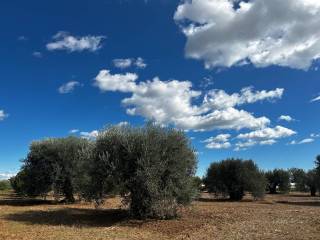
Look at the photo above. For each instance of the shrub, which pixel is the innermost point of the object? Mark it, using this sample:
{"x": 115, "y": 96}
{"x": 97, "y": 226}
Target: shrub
{"x": 233, "y": 177}
{"x": 278, "y": 179}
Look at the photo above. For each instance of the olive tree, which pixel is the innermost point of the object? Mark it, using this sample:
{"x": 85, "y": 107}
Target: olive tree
{"x": 51, "y": 164}
{"x": 232, "y": 177}
{"x": 278, "y": 179}
{"x": 152, "y": 167}
{"x": 312, "y": 181}
{"x": 317, "y": 168}
{"x": 299, "y": 178}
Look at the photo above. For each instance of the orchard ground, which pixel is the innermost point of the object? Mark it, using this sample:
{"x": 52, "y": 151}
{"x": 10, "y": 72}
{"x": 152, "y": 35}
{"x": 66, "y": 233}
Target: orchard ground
{"x": 292, "y": 216}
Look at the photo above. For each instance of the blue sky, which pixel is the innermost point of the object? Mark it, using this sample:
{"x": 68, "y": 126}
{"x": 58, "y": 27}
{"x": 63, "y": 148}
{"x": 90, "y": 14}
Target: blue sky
{"x": 223, "y": 72}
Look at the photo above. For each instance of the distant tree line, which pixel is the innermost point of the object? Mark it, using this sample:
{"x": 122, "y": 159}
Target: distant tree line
{"x": 151, "y": 167}
{"x": 234, "y": 177}
{"x": 5, "y": 185}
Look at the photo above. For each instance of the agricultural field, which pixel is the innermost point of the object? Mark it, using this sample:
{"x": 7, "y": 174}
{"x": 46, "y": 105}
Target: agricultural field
{"x": 293, "y": 216}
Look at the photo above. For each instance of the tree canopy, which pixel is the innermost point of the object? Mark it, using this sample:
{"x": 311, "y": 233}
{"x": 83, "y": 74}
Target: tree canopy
{"x": 233, "y": 177}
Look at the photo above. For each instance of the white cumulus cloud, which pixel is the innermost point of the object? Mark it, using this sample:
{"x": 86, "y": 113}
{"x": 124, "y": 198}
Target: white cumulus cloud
{"x": 172, "y": 102}
{"x": 286, "y": 118}
{"x": 90, "y": 135}
{"x": 65, "y": 41}
{"x": 268, "y": 133}
{"x": 220, "y": 141}
{"x": 107, "y": 81}
{"x": 225, "y": 33}
{"x": 264, "y": 136}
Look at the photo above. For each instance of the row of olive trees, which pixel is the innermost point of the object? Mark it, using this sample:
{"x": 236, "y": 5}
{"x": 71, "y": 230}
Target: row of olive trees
{"x": 151, "y": 167}
{"x": 234, "y": 177}
{"x": 305, "y": 181}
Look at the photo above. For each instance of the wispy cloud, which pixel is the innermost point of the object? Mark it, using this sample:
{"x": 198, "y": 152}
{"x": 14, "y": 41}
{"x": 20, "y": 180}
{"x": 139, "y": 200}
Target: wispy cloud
{"x": 22, "y": 38}
{"x": 314, "y": 135}
{"x": 206, "y": 82}
{"x": 73, "y": 131}
{"x": 65, "y": 41}
{"x": 37, "y": 54}
{"x": 315, "y": 99}
{"x": 3, "y": 115}
{"x": 304, "y": 141}
{"x": 129, "y": 62}
{"x": 68, "y": 87}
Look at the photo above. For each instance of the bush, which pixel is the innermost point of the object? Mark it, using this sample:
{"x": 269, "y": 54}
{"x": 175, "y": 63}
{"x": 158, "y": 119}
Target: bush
{"x": 278, "y": 179}
{"x": 233, "y": 177}
{"x": 152, "y": 167}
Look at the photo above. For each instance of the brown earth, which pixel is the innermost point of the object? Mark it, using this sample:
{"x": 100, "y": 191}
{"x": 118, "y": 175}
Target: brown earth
{"x": 294, "y": 216}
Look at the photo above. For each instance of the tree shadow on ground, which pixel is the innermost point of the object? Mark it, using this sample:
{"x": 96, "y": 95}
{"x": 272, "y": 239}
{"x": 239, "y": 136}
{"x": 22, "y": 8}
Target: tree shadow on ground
{"x": 213, "y": 200}
{"x": 72, "y": 217}
{"x": 301, "y": 195}
{"x": 301, "y": 203}
{"x": 222, "y": 200}
{"x": 15, "y": 200}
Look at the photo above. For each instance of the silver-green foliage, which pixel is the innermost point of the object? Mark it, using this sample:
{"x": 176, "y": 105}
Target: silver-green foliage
{"x": 152, "y": 167}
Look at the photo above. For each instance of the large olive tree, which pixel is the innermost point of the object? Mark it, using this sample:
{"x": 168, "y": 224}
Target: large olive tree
{"x": 152, "y": 167}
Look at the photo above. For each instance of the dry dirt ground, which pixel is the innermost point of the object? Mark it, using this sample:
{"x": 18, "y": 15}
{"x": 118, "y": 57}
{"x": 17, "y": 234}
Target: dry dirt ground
{"x": 294, "y": 216}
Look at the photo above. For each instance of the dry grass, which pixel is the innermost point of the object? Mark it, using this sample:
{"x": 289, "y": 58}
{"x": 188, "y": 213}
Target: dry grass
{"x": 294, "y": 216}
